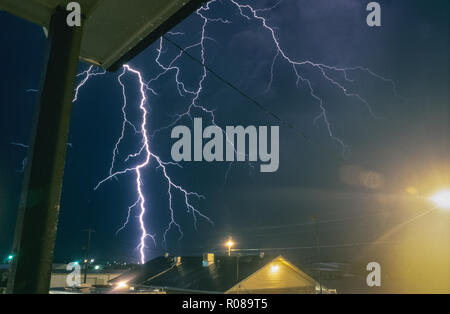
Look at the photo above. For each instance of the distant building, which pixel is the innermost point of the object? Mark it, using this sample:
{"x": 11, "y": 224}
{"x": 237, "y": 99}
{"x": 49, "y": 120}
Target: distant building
{"x": 218, "y": 274}
{"x": 99, "y": 277}
{"x": 93, "y": 278}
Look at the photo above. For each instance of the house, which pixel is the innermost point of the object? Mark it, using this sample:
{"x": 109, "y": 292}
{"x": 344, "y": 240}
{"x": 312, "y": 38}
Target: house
{"x": 218, "y": 274}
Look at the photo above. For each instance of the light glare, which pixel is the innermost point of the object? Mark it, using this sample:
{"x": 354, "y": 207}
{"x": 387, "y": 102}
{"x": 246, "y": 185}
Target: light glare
{"x": 274, "y": 268}
{"x": 122, "y": 285}
{"x": 441, "y": 199}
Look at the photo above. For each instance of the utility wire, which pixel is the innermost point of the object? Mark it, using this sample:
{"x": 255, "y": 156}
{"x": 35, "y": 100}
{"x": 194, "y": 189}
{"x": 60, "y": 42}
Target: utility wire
{"x": 315, "y": 247}
{"x": 300, "y": 224}
{"x": 237, "y": 89}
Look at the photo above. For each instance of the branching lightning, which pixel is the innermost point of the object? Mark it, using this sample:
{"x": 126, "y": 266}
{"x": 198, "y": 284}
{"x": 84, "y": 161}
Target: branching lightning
{"x": 92, "y": 71}
{"x": 248, "y": 12}
{"x": 148, "y": 156}
{"x": 145, "y": 156}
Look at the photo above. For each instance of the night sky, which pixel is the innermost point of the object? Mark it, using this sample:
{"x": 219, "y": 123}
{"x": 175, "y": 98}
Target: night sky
{"x": 356, "y": 195}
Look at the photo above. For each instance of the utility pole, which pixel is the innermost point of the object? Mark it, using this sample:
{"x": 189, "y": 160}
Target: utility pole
{"x": 37, "y": 217}
{"x": 86, "y": 254}
{"x": 237, "y": 267}
{"x": 318, "y": 250}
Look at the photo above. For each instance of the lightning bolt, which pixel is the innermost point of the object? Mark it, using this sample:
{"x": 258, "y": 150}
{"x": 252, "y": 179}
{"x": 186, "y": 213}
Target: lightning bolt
{"x": 181, "y": 85}
{"x": 92, "y": 71}
{"x": 248, "y": 12}
{"x": 25, "y": 160}
{"x": 196, "y": 93}
{"x": 146, "y": 157}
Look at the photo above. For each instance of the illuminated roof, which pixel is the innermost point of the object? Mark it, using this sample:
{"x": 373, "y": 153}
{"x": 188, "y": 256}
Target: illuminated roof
{"x": 114, "y": 30}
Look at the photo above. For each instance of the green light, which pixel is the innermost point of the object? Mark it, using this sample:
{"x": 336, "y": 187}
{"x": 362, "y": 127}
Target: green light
{"x": 97, "y": 267}
{"x": 10, "y": 257}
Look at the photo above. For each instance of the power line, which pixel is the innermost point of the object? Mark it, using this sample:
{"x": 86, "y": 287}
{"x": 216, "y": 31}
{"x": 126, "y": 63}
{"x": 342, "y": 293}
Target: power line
{"x": 315, "y": 247}
{"x": 300, "y": 224}
{"x": 86, "y": 256}
{"x": 237, "y": 89}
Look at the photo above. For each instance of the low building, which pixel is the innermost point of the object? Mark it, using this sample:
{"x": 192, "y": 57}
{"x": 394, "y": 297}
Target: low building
{"x": 218, "y": 274}
{"x": 59, "y": 276}
{"x": 93, "y": 278}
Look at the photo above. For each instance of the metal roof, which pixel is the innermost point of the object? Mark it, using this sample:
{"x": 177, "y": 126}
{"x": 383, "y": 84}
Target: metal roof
{"x": 114, "y": 31}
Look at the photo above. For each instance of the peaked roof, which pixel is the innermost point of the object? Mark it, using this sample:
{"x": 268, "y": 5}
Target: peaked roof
{"x": 190, "y": 274}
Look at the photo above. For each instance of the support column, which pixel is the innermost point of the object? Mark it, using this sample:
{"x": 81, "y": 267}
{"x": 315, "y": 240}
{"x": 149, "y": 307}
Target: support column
{"x": 37, "y": 219}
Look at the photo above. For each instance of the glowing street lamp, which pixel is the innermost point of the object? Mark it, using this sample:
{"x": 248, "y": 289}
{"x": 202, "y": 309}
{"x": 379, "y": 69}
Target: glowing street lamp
{"x": 229, "y": 244}
{"x": 441, "y": 199}
{"x": 122, "y": 285}
{"x": 274, "y": 269}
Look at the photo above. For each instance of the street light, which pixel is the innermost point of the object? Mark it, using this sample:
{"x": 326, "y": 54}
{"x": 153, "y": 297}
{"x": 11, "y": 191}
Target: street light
{"x": 274, "y": 269}
{"x": 229, "y": 244}
{"x": 441, "y": 199}
{"x": 122, "y": 285}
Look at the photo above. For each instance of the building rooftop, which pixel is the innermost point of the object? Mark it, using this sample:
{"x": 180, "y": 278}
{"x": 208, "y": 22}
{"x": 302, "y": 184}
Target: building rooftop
{"x": 193, "y": 273}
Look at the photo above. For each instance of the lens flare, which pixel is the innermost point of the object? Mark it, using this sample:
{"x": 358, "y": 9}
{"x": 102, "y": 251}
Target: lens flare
{"x": 441, "y": 199}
